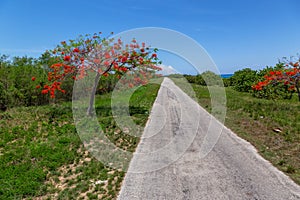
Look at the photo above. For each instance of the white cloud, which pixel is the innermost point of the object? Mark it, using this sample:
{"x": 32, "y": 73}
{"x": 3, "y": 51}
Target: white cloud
{"x": 167, "y": 70}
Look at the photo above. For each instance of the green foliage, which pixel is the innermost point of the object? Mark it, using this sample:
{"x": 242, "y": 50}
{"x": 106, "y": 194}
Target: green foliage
{"x": 175, "y": 76}
{"x": 39, "y": 147}
{"x": 267, "y": 69}
{"x": 206, "y": 78}
{"x": 211, "y": 78}
{"x": 275, "y": 90}
{"x": 227, "y": 82}
{"x": 16, "y": 85}
{"x": 106, "y": 84}
{"x": 3, "y": 97}
{"x": 189, "y": 78}
{"x": 31, "y": 147}
{"x": 18, "y": 89}
{"x": 242, "y": 80}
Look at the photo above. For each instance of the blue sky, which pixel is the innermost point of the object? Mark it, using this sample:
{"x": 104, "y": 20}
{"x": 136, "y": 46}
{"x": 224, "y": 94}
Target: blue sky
{"x": 235, "y": 33}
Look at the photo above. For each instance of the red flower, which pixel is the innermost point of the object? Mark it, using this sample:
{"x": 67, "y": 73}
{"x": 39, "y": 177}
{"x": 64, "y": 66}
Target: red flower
{"x": 76, "y": 50}
{"x": 38, "y": 86}
{"x": 106, "y": 63}
{"x": 67, "y": 58}
{"x": 257, "y": 87}
{"x": 154, "y": 55}
{"x": 124, "y": 69}
{"x": 141, "y": 60}
{"x": 116, "y": 67}
{"x": 44, "y": 91}
{"x": 106, "y": 55}
{"x": 278, "y": 73}
{"x": 52, "y": 94}
{"x": 33, "y": 78}
{"x": 124, "y": 59}
{"x": 97, "y": 61}
{"x": 292, "y": 87}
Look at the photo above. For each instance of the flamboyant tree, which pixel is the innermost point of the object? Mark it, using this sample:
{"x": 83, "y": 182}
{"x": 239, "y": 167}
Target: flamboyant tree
{"x": 105, "y": 56}
{"x": 288, "y": 77}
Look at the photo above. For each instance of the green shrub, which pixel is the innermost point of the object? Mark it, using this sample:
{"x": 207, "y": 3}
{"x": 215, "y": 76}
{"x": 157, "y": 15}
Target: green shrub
{"x": 206, "y": 78}
{"x": 18, "y": 89}
{"x": 211, "y": 79}
{"x": 242, "y": 80}
{"x": 227, "y": 82}
{"x": 275, "y": 90}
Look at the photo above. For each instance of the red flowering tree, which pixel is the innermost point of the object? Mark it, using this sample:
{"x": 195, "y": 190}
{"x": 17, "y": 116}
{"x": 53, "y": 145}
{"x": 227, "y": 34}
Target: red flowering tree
{"x": 104, "y": 56}
{"x": 287, "y": 78}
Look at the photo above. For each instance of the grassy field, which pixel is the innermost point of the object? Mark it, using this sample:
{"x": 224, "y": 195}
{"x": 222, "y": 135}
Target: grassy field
{"x": 42, "y": 157}
{"x": 256, "y": 120}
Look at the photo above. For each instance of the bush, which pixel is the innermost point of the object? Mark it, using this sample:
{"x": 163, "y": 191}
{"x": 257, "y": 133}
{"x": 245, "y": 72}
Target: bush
{"x": 211, "y": 78}
{"x": 190, "y": 78}
{"x": 17, "y": 88}
{"x": 227, "y": 82}
{"x": 275, "y": 90}
{"x": 243, "y": 80}
{"x": 19, "y": 79}
{"x": 206, "y": 78}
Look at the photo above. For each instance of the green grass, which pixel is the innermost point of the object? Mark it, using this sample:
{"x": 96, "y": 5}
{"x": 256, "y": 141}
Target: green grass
{"x": 41, "y": 155}
{"x": 255, "y": 120}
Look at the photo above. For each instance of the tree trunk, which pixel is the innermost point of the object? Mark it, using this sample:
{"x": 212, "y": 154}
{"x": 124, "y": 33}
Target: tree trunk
{"x": 92, "y": 97}
{"x": 298, "y": 89}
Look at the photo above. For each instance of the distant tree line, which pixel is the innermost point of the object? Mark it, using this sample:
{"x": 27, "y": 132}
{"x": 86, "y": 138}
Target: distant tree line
{"x": 22, "y": 80}
{"x": 245, "y": 80}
